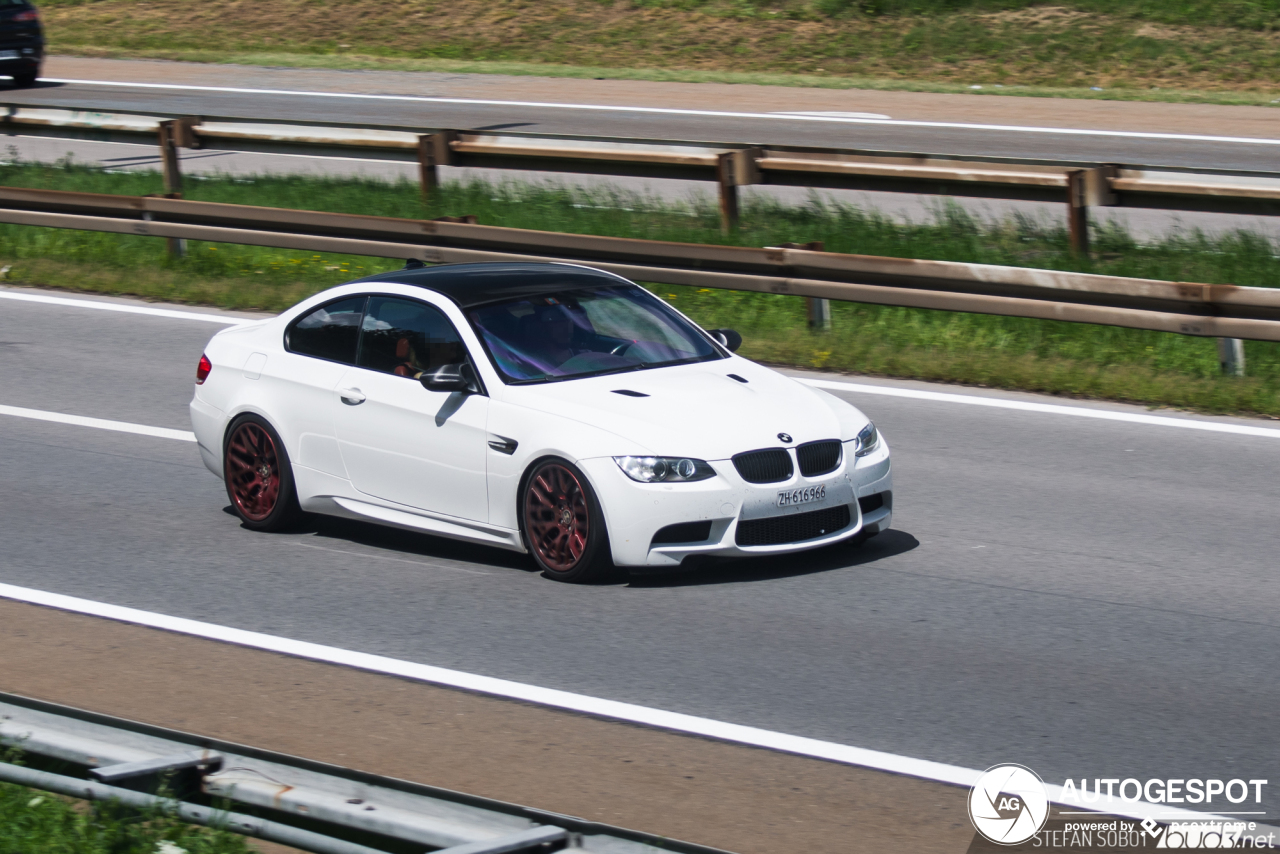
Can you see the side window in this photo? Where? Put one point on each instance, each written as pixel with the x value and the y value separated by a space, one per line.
pixel 407 338
pixel 330 332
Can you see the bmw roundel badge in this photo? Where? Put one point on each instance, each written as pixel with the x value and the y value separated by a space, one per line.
pixel 786 437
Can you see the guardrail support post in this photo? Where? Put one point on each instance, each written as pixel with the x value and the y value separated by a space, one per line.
pixel 1231 356
pixel 433 152
pixel 819 313
pixel 735 169
pixel 818 309
pixel 172 134
pixel 1078 211
pixel 726 177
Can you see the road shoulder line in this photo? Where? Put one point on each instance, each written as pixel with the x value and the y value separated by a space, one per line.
pixel 1046 408
pixel 731 796
pixel 123 307
pixel 554 698
pixel 98 423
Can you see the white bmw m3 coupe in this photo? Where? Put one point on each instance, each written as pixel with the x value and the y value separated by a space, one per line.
pixel 544 408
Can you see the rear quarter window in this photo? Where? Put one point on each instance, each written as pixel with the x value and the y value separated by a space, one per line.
pixel 330 332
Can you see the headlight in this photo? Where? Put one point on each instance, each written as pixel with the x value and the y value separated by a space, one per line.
pixel 868 440
pixel 664 469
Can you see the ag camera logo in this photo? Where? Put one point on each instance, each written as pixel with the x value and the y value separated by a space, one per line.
pixel 1009 804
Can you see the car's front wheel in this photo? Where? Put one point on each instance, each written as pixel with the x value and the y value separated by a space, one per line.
pixel 562 522
pixel 258 475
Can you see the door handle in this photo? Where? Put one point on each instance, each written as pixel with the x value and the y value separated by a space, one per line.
pixel 351 396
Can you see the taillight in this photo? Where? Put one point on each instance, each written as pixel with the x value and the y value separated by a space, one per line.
pixel 203 369
pixel 26 17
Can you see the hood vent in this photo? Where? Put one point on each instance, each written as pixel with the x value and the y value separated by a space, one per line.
pixel 736 377
pixel 626 392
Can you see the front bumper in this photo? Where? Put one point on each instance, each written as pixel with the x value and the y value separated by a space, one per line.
pixel 636 512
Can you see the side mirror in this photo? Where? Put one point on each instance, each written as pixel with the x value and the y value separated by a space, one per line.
pixel 451 378
pixel 728 338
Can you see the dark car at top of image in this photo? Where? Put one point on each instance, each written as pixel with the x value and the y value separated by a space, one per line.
pixel 21 42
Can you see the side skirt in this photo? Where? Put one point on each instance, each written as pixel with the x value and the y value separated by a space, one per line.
pixel 457 529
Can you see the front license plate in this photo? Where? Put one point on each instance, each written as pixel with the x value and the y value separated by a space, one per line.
pixel 8 54
pixel 802 496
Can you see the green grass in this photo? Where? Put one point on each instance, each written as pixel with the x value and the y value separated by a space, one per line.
pixel 1193 50
pixel 1248 14
pixel 1049 356
pixel 35 822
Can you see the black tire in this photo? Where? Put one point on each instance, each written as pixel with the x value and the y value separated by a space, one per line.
pixel 259 476
pixel 562 524
pixel 25 79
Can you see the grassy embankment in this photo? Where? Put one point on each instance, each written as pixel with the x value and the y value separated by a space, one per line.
pixel 35 822
pixel 1049 356
pixel 1182 50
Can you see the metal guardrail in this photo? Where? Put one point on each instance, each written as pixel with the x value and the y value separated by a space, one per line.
pixel 1222 311
pixel 297 802
pixel 1079 184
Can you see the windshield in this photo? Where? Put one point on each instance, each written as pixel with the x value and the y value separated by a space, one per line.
pixel 586 331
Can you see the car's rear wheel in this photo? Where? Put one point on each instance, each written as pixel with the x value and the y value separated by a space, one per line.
pixel 562 523
pixel 258 475
pixel 25 79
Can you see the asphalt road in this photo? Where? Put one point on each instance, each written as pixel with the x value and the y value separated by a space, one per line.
pixel 533 110
pixel 1088 598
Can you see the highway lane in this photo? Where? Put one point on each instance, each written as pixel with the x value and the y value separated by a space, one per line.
pixel 1087 598
pixel 534 114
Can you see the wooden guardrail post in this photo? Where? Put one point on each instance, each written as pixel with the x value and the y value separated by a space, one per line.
pixel 1078 211
pixel 726 178
pixel 169 159
pixel 172 133
pixel 1086 188
pixel 433 152
pixel 733 170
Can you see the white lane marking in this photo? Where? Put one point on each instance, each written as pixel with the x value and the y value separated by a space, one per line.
pixel 671 111
pixel 828 114
pixel 644 715
pixel 1048 408
pixel 127 309
pixel 99 423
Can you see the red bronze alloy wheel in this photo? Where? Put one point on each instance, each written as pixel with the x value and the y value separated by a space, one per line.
pixel 253 471
pixel 557 519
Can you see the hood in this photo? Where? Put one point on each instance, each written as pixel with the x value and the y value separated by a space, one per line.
pixel 695 410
